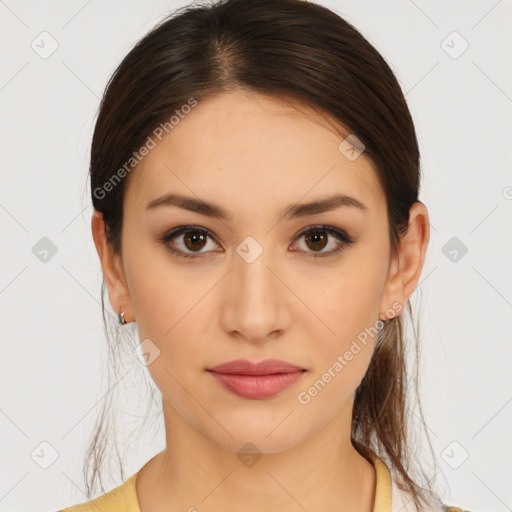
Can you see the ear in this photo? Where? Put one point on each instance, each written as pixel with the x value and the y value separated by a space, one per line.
pixel 404 272
pixel 112 268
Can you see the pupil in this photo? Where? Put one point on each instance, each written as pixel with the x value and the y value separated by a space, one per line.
pixel 195 238
pixel 318 241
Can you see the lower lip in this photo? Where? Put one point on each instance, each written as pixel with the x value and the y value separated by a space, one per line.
pixel 257 386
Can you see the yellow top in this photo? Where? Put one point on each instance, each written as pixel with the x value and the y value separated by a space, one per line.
pixel 124 497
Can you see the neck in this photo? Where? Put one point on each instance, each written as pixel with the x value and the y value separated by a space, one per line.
pixel 325 472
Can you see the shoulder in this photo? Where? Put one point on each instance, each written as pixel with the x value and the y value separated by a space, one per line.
pixel 120 499
pixel 402 501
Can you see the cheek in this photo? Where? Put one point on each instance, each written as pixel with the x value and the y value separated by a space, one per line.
pixel 172 319
pixel 172 309
pixel 174 322
pixel 341 360
pixel 160 294
pixel 348 306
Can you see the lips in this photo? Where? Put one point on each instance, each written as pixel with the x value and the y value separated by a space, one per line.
pixel 256 380
pixel 266 367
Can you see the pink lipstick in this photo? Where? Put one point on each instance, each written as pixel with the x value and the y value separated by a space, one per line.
pixel 256 380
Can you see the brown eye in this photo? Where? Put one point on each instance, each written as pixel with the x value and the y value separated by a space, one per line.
pixel 317 238
pixel 187 240
pixel 194 240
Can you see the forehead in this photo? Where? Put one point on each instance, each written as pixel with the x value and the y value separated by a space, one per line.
pixel 254 146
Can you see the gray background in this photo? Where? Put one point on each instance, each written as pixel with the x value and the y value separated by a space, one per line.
pixel 52 351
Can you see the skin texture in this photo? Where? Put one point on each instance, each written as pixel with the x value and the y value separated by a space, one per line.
pixel 254 155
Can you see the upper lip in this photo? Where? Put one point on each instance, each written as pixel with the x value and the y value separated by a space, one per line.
pixel 246 367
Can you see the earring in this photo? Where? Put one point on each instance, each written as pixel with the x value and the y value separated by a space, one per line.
pixel 122 320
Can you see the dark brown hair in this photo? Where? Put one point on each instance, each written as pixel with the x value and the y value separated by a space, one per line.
pixel 289 49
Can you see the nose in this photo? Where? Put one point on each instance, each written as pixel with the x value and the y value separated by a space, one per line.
pixel 256 302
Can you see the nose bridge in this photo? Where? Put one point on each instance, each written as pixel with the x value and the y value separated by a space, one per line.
pixel 251 267
pixel 254 301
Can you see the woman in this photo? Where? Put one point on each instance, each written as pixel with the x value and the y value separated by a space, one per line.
pixel 255 180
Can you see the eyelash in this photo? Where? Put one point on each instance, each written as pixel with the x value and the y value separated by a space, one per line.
pixel 341 235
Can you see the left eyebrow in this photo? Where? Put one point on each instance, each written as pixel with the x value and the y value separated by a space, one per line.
pixel 293 211
pixel 324 205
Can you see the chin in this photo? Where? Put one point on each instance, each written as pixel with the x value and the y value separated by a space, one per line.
pixel 256 438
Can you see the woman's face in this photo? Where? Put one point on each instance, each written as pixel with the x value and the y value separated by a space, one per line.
pixel 254 284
